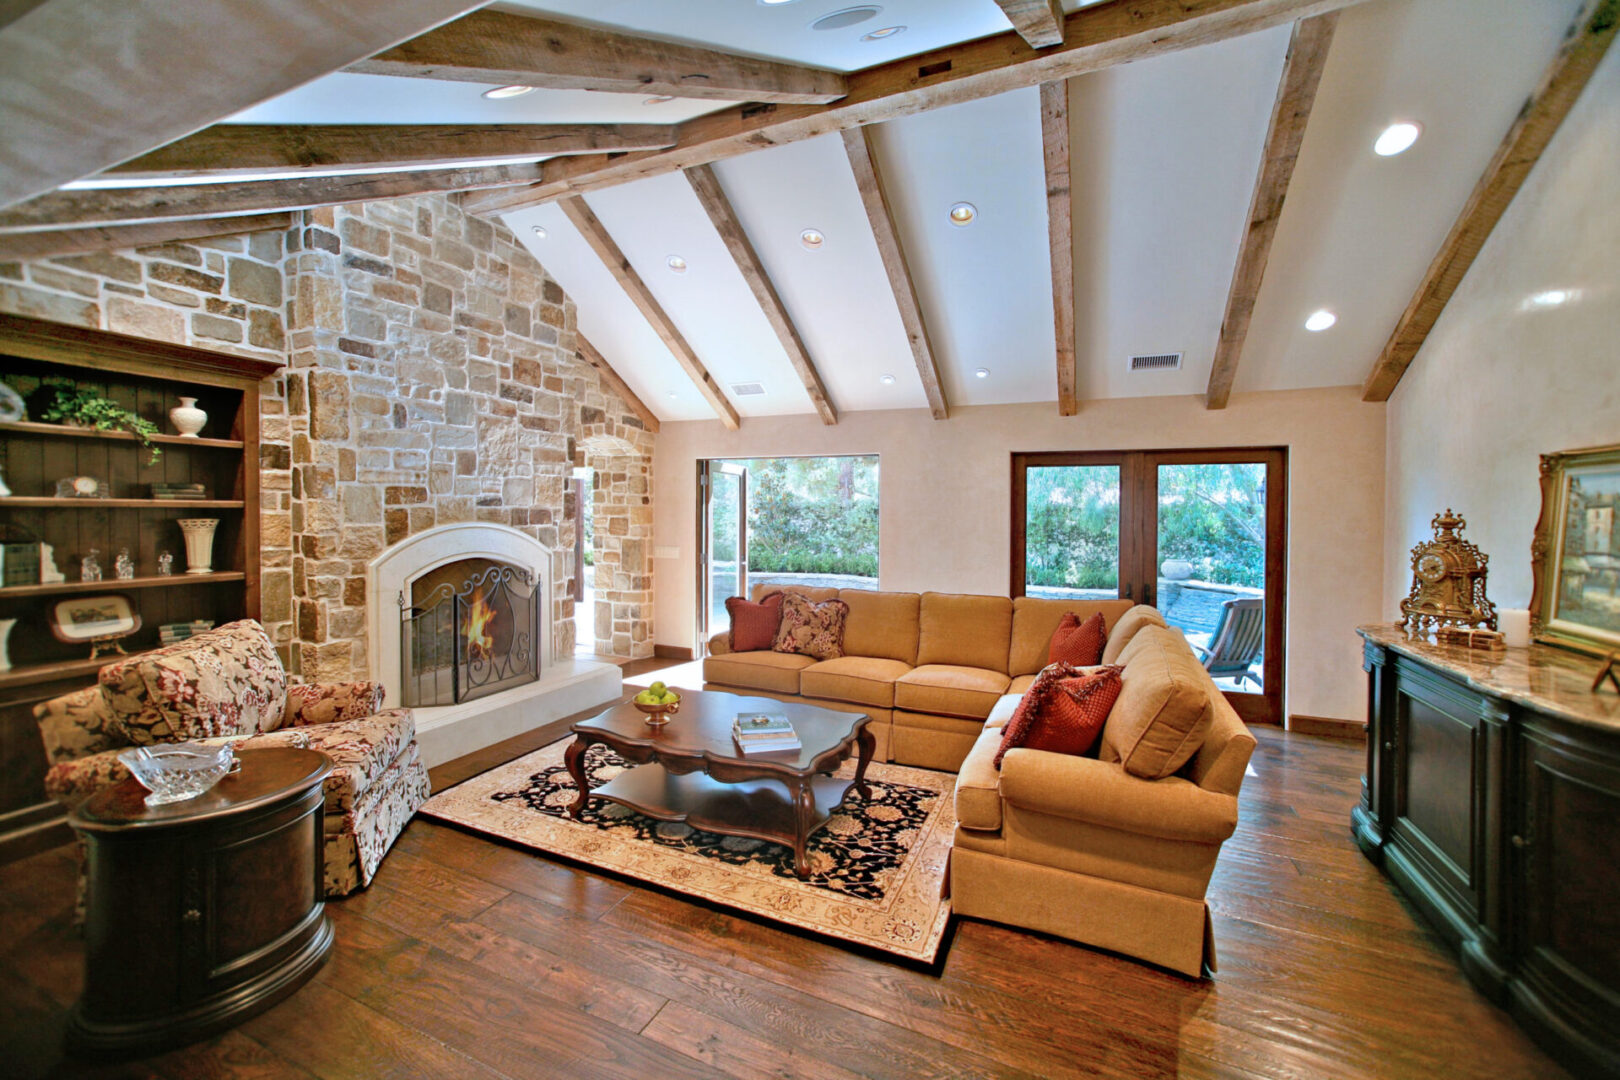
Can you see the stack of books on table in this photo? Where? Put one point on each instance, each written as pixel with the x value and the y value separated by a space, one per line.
pixel 169 633
pixel 179 491
pixel 763 733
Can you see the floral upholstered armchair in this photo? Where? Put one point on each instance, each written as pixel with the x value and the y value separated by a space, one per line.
pixel 228 685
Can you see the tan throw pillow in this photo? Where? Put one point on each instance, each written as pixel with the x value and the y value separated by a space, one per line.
pixel 1164 709
pixel 1129 623
pixel 812 629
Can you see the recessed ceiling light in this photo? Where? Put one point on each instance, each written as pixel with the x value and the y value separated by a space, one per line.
pixel 673 394
pixel 676 264
pixel 981 373
pixel 1320 320
pixel 963 213
pixel 540 232
pixel 508 91
pixel 659 99
pixel 884 32
pixel 1550 298
pixel 886 380
pixel 812 239
pixel 1397 137
pixel 843 17
pixel 774 3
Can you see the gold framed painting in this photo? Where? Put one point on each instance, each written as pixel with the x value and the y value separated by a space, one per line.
pixel 1575 557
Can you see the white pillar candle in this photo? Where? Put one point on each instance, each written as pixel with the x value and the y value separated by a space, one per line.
pixel 1515 626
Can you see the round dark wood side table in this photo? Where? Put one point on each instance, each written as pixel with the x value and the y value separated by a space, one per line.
pixel 204 912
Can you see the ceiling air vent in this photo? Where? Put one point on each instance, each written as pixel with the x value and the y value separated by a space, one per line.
pixel 1156 362
pixel 747 389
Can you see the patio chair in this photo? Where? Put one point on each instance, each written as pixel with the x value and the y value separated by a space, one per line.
pixel 1237 642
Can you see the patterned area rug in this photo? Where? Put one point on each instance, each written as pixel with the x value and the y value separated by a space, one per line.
pixel 877 868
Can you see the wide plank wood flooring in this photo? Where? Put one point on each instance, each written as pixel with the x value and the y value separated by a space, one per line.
pixel 467 958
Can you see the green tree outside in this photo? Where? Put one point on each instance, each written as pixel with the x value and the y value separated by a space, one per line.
pixel 805 516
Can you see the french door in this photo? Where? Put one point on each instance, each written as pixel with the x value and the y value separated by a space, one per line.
pixel 722 541
pixel 1200 534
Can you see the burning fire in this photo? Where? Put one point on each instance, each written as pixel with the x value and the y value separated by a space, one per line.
pixel 480 644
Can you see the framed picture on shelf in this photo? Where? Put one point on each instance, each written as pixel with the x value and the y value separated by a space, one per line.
pixel 1575 556
pixel 89 618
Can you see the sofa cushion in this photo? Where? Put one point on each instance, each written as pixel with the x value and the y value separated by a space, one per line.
pixel 1165 706
pixel 1036 617
pixel 772 671
pixel 811 628
pixel 881 624
pixel 862 680
pixel 950 690
pixel 227 681
pixel 361 751
pixel 1022 683
pixel 765 589
pixel 1003 710
pixel 754 626
pixel 1066 715
pixel 1079 642
pixel 1125 629
pixel 978 785
pixel 964 631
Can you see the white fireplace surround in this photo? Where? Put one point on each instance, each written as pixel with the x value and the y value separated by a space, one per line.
pixel 565 686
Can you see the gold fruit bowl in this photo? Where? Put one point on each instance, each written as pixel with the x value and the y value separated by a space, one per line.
pixel 658 715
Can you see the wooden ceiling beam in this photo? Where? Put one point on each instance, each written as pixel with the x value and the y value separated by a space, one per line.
pixel 45 245
pixel 1296 93
pixel 504 48
pixel 869 179
pixel 85 84
pixel 1038 22
pixel 1095 37
pixel 1060 235
pixel 707 188
pixel 1589 37
pixel 144 205
pixel 591 355
pixel 226 147
pixel 596 235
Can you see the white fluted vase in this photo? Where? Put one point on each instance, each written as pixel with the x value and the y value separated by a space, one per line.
pixel 5 636
pixel 187 418
pixel 199 534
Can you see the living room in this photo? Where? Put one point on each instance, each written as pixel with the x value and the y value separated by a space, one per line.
pixel 408 357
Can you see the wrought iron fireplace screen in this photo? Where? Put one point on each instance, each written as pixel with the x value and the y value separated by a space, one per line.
pixel 471 635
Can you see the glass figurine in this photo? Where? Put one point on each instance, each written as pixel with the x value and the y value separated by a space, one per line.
pixel 165 563
pixel 124 566
pixel 90 566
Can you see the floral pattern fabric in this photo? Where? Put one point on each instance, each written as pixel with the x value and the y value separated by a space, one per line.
pixel 75 725
pixel 330 703
pixel 812 629
pixel 228 681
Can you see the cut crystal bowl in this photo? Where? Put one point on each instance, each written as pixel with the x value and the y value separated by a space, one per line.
pixel 176 771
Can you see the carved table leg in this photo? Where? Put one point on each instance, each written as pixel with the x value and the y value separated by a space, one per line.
pixel 868 745
pixel 574 760
pixel 804 811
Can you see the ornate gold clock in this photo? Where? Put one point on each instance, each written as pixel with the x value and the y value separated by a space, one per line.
pixel 1448 581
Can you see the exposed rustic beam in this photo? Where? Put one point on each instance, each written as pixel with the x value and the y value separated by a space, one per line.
pixel 1296 93
pixel 1039 22
pixel 707 188
pixel 1095 37
pixel 591 355
pixel 224 147
pixel 136 206
pixel 1588 39
pixel 44 245
pixel 596 235
pixel 869 179
pixel 85 84
pixel 1060 234
pixel 504 48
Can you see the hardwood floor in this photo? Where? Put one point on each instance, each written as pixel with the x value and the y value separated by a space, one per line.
pixel 467 958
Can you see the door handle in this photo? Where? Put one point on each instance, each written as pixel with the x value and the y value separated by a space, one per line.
pixel 1127 594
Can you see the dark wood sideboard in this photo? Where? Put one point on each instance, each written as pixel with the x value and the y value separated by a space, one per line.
pixel 1492 799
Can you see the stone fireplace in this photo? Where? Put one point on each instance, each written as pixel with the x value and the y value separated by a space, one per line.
pixel 459 618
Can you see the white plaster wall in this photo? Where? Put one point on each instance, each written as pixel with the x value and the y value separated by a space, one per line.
pixel 946 502
pixel 1500 381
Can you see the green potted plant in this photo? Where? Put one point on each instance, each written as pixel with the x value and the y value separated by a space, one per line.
pixel 79 407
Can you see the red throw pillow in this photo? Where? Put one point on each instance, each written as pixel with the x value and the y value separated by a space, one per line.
pixel 1068 717
pixel 1024 714
pixel 1077 642
pixel 753 626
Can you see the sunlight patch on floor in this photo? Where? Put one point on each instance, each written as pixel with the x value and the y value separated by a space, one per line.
pixel 688 676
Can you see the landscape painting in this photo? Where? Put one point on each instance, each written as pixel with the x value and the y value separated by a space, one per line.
pixel 1578 584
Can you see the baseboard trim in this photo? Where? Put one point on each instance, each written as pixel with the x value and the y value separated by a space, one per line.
pixel 674 652
pixel 1328 727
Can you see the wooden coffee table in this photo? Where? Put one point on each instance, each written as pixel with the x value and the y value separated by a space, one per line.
pixel 691 770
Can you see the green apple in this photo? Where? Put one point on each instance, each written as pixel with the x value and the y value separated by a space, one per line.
pixel 658 687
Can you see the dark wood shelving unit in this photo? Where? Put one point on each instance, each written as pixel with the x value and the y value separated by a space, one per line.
pixel 147 377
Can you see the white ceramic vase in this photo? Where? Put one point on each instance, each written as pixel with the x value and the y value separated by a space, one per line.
pixel 187 418
pixel 5 635
pixel 199 534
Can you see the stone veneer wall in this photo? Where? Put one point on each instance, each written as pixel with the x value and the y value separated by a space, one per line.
pixel 430 380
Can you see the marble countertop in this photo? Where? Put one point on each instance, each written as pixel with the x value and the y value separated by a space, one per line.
pixel 1544 678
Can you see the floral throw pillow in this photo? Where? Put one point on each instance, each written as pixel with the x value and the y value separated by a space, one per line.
pixel 810 628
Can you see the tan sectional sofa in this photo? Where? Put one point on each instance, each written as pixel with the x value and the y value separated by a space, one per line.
pixel 927 667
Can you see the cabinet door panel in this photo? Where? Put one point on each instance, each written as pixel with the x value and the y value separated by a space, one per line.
pixel 1438 796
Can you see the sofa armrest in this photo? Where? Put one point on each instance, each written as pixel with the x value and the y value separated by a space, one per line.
pixel 329 703
pixel 75 725
pixel 720 644
pixel 1085 789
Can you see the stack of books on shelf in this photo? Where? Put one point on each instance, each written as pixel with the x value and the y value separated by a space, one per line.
pixel 179 491
pixel 169 633
pixel 763 733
